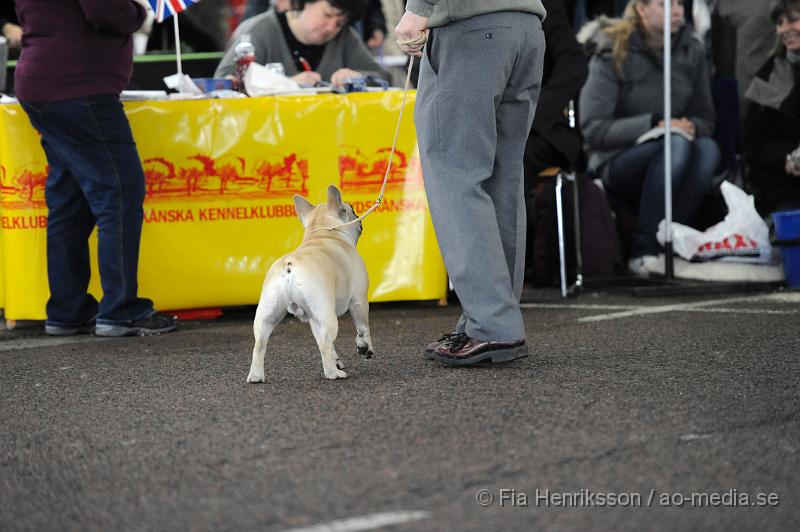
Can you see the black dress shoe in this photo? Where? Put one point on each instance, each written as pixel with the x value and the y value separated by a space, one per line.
pixel 465 351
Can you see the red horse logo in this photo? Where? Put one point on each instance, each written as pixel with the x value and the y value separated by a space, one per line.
pixel 362 173
pixel 206 176
pixel 25 189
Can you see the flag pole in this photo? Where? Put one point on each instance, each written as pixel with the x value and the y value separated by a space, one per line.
pixel 178 52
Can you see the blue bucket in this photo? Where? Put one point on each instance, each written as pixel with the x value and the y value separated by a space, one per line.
pixel 787 231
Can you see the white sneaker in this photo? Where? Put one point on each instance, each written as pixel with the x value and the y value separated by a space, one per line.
pixel 643 266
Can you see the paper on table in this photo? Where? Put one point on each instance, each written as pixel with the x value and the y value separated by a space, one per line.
pixel 260 81
pixel 183 84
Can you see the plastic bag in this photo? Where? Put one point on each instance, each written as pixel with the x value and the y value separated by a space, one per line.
pixel 741 237
pixel 262 81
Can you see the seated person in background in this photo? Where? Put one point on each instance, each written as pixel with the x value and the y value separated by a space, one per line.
pixel 372 26
pixel 202 29
pixel 772 121
pixel 623 99
pixel 751 40
pixel 312 41
pixel 551 141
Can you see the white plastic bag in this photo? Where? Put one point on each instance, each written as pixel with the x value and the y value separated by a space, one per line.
pixel 261 81
pixel 741 237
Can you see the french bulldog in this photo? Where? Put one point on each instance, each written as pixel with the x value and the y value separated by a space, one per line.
pixel 317 282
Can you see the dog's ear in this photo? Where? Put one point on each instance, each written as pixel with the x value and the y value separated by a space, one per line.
pixel 334 198
pixel 302 206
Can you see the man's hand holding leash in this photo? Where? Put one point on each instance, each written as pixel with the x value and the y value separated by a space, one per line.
pixel 412 33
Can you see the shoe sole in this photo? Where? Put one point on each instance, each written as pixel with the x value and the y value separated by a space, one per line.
pixel 67 331
pixel 118 331
pixel 494 356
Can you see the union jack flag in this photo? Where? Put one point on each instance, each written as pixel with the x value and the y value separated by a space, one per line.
pixel 166 8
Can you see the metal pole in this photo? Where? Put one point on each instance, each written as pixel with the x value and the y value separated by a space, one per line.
pixel 576 205
pixel 669 272
pixel 178 52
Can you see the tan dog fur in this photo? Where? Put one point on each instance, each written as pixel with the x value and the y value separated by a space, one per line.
pixel 317 282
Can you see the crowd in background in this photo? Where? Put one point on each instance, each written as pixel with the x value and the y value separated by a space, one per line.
pixel 735 63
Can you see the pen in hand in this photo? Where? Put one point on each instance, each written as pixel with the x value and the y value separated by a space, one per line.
pixel 306 78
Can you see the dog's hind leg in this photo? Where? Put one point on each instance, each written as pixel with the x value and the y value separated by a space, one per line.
pixel 268 315
pixel 325 329
pixel 359 311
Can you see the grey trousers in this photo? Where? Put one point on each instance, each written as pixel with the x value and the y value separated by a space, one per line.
pixel 478 85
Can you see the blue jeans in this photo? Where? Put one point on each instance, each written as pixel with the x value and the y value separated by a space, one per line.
pixel 636 176
pixel 95 177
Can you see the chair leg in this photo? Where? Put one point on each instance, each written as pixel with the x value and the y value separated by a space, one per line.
pixel 562 262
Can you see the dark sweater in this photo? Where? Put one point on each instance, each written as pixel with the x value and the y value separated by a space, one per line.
pixel 771 131
pixel 74 48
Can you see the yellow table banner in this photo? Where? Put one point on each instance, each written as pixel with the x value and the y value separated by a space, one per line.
pixel 220 177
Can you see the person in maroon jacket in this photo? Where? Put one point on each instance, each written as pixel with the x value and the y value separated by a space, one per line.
pixel 76 59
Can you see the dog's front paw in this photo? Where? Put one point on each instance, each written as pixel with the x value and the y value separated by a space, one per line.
pixel 255 376
pixel 335 374
pixel 365 350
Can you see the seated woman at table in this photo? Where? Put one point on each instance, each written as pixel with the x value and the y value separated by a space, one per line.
pixel 772 121
pixel 623 99
pixel 312 41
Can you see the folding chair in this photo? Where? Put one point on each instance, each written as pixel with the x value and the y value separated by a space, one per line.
pixel 560 177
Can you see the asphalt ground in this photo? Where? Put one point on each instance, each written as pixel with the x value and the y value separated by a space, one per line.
pixel 677 413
